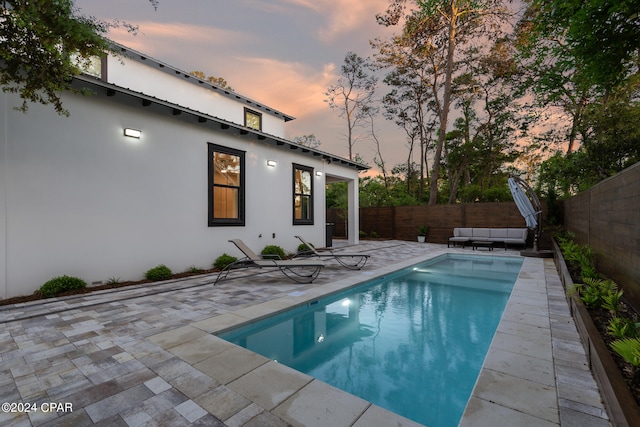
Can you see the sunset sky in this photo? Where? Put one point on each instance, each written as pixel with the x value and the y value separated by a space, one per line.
pixel 283 53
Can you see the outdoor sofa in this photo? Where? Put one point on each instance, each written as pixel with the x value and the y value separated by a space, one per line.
pixel 505 236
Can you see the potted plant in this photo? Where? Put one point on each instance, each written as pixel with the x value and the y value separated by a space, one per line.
pixel 422 233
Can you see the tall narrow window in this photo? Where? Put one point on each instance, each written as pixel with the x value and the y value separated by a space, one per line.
pixel 226 186
pixel 252 119
pixel 302 195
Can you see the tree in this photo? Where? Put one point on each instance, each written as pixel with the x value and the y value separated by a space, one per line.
pixel 584 55
pixel 216 81
pixel 44 44
pixel 413 76
pixel 550 70
pixel 444 26
pixel 602 35
pixel 352 95
pixel 612 143
pixel 307 140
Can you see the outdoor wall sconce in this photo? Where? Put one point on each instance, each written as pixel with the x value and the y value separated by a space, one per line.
pixel 132 133
pixel 271 163
pixel 318 173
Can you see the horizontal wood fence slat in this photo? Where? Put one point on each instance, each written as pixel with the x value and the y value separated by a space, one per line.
pixel 402 222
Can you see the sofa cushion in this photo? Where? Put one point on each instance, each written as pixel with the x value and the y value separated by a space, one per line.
pixel 517 233
pixel 499 233
pixel 520 241
pixel 462 232
pixel 481 232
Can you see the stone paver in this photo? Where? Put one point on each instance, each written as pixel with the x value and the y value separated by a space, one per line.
pixel 145 355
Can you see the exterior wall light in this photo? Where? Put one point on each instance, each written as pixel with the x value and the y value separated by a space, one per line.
pixel 272 163
pixel 318 173
pixel 132 133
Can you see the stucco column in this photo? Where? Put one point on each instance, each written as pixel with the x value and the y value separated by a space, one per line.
pixel 353 217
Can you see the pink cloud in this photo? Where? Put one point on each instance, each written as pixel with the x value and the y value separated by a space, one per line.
pixel 343 16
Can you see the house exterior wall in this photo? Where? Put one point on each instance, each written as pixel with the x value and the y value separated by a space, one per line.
pixel 147 79
pixel 79 198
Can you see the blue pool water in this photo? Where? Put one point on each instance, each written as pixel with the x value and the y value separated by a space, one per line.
pixel 412 342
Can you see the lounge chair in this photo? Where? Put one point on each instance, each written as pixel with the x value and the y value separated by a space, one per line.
pixel 352 261
pixel 296 270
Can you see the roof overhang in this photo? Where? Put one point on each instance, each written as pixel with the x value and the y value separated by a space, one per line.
pixel 173 71
pixel 178 112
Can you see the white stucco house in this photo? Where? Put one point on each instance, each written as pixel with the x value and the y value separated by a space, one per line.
pixel 156 167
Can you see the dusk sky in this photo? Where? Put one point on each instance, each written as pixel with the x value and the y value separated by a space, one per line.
pixel 283 53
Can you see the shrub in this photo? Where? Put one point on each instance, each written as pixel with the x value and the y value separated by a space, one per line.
pixel 224 260
pixel 160 272
pixel 271 250
pixel 629 349
pixel 362 233
pixel 621 327
pixel 61 284
pixel 194 269
pixel 302 248
pixel 600 292
pixel 579 257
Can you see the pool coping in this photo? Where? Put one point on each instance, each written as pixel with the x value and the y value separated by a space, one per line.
pixel 517 383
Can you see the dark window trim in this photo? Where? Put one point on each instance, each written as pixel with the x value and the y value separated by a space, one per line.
pixel 309 221
pixel 255 113
pixel 103 68
pixel 221 222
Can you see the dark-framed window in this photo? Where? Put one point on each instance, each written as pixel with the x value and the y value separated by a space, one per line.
pixel 95 66
pixel 252 119
pixel 226 186
pixel 302 195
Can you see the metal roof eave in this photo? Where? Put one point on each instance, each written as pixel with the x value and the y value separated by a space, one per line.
pixel 146 101
pixel 169 69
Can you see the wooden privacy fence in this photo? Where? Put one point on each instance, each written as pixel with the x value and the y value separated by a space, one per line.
pixel 402 222
pixel 607 218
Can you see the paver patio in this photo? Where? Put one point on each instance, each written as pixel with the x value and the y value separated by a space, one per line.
pixel 146 356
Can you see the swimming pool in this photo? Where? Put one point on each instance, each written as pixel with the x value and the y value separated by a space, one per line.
pixel 412 342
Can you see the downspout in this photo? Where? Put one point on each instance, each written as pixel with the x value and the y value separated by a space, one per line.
pixel 4 181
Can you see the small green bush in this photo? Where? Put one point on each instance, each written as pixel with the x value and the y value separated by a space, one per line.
pixel 194 269
pixel 271 250
pixel 160 272
pixel 362 233
pixel 629 349
pixel 61 284
pixel 304 248
pixel 621 327
pixel 224 260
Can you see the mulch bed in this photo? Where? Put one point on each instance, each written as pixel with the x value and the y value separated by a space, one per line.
pixel 36 295
pixel 630 374
pixel 601 319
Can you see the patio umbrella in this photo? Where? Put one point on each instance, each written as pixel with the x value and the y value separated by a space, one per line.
pixel 523 203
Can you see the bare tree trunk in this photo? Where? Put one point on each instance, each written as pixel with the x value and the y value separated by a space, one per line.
pixel 446 101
